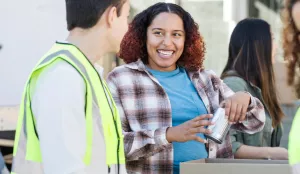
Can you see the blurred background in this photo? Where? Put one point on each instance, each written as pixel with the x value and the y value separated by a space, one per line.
pixel 29 28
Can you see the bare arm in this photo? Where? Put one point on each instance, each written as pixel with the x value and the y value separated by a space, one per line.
pixel 252 152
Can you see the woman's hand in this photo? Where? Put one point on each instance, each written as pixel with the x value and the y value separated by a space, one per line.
pixel 189 130
pixel 236 107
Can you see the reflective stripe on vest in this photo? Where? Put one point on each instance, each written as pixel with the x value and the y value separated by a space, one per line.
pixel 27 148
pixel 294 140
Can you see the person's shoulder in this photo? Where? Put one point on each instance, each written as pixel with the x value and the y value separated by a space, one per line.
pixel 120 69
pixel 236 83
pixel 235 80
pixel 60 73
pixel 60 67
pixel 130 67
pixel 124 71
pixel 233 76
pixel 60 84
pixel 207 74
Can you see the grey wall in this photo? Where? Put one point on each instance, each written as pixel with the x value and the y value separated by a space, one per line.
pixel 28 29
pixel 209 16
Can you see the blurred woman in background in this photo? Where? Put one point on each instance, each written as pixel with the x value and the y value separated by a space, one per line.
pixel 250 68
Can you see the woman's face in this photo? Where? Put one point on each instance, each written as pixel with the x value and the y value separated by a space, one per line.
pixel 296 14
pixel 165 41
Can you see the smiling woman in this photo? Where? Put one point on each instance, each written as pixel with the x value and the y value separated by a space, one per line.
pixel 165 97
pixel 165 41
pixel 172 30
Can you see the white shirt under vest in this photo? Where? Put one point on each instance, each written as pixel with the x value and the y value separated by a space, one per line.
pixel 58 104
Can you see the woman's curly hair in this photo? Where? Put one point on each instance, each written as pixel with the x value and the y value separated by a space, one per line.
pixel 291 45
pixel 133 46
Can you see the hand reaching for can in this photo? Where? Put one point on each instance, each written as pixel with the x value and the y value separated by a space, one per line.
pixel 236 106
pixel 189 130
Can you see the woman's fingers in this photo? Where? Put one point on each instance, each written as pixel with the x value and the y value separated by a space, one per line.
pixel 202 117
pixel 238 114
pixel 227 107
pixel 244 113
pixel 201 123
pixel 233 109
pixel 199 130
pixel 199 139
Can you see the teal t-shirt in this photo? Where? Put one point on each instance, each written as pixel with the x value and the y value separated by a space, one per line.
pixel 186 104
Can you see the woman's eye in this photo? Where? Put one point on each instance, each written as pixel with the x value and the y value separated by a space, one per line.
pixel 177 34
pixel 158 33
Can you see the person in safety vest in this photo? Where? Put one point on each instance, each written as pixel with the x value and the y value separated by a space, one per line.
pixel 294 144
pixel 68 122
pixel 291 45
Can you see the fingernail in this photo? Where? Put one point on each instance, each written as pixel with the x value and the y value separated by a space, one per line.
pixel 240 122
pixel 205 141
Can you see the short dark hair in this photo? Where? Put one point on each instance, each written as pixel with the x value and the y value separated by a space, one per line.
pixel 86 13
pixel 134 47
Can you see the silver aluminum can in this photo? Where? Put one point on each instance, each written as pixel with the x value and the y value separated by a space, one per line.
pixel 220 128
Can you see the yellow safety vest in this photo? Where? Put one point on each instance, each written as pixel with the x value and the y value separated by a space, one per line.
pixel 294 140
pixel 27 146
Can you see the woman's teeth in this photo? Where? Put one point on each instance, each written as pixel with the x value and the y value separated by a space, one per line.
pixel 167 53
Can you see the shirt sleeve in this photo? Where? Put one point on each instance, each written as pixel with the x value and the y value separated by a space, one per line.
pixel 138 144
pixel 255 116
pixel 58 107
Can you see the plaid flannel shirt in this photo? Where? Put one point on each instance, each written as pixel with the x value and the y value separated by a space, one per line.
pixel 145 112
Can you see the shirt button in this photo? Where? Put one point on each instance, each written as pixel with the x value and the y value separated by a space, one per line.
pixel 211 149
